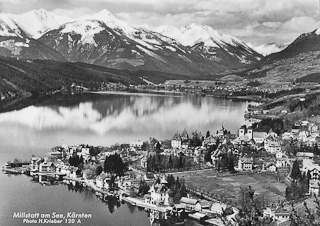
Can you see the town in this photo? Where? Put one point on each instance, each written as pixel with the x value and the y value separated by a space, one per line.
pixel 261 173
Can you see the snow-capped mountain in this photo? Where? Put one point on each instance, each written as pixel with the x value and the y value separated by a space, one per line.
pixel 211 40
pixel 269 48
pixel 36 22
pixel 103 39
pixel 15 42
pixel 196 33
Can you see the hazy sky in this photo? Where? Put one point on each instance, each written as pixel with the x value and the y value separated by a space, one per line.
pixel 255 21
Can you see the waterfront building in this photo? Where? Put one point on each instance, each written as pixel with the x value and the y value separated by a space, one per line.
pixel 158 194
pixel 191 204
pixel 34 163
pixel 102 181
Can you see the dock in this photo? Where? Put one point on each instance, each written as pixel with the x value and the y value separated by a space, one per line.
pixel 141 203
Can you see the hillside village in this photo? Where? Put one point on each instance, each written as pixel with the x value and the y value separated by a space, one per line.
pixel 145 172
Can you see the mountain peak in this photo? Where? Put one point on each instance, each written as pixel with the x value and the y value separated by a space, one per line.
pixel 104 12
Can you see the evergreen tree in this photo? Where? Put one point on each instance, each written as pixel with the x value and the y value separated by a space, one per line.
pixel 208 134
pixel 295 172
pixel 99 170
pixel 170 165
pixel 230 164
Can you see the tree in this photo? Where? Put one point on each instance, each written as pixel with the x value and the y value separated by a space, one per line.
pixel 112 182
pixel 114 164
pixel 208 134
pixel 295 172
pixel 196 139
pixel 230 164
pixel 309 218
pixel 99 170
pixel 143 187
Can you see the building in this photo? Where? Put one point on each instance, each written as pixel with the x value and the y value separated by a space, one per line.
pixel 136 144
pixel 259 137
pixel 45 166
pixel 271 167
pixel 304 155
pixel 272 147
pixel 314 187
pixel 218 207
pixel 180 141
pixel 34 163
pixel 245 164
pixel 190 204
pixel 102 181
pixel 143 162
pixel 176 141
pixel 158 194
pixel 282 214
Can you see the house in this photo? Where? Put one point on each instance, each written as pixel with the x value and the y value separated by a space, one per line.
pixel 209 141
pixel 281 163
pixel 45 166
pixel 245 164
pixel 124 184
pixel 61 168
pixel 279 155
pixel 271 167
pixel 287 136
pixel 303 136
pixel 191 204
pixel 102 181
pixel 180 141
pixel 136 145
pixel 314 187
pixel 282 214
pixel 34 163
pixel 218 207
pixel 72 172
pixel 85 150
pixel 304 155
pixel 158 194
pixel 272 147
pixel 268 213
pixel 259 137
pixel 143 162
pixel 312 127
pixel 176 141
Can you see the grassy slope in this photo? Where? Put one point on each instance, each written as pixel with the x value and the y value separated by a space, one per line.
pixel 39 76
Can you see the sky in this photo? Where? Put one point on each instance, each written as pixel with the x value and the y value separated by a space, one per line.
pixel 254 21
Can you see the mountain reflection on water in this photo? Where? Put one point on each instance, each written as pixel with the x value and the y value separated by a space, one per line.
pixel 106 119
pixel 96 119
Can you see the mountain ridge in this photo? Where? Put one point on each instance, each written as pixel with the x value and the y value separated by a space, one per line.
pixel 130 47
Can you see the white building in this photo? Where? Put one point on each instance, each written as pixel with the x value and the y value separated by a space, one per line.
pixel 272 147
pixel 136 144
pixel 245 164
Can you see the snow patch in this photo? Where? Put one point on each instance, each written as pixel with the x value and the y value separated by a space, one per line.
pixel 87 30
pixel 151 53
pixel 270 48
pixel 318 31
pixel 171 48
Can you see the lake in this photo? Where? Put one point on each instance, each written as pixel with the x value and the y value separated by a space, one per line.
pixel 97 119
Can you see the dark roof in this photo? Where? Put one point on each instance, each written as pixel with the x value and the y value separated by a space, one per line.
pixel 184 134
pixel 176 136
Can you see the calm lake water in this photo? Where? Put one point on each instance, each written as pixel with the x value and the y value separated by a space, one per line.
pixel 97 119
